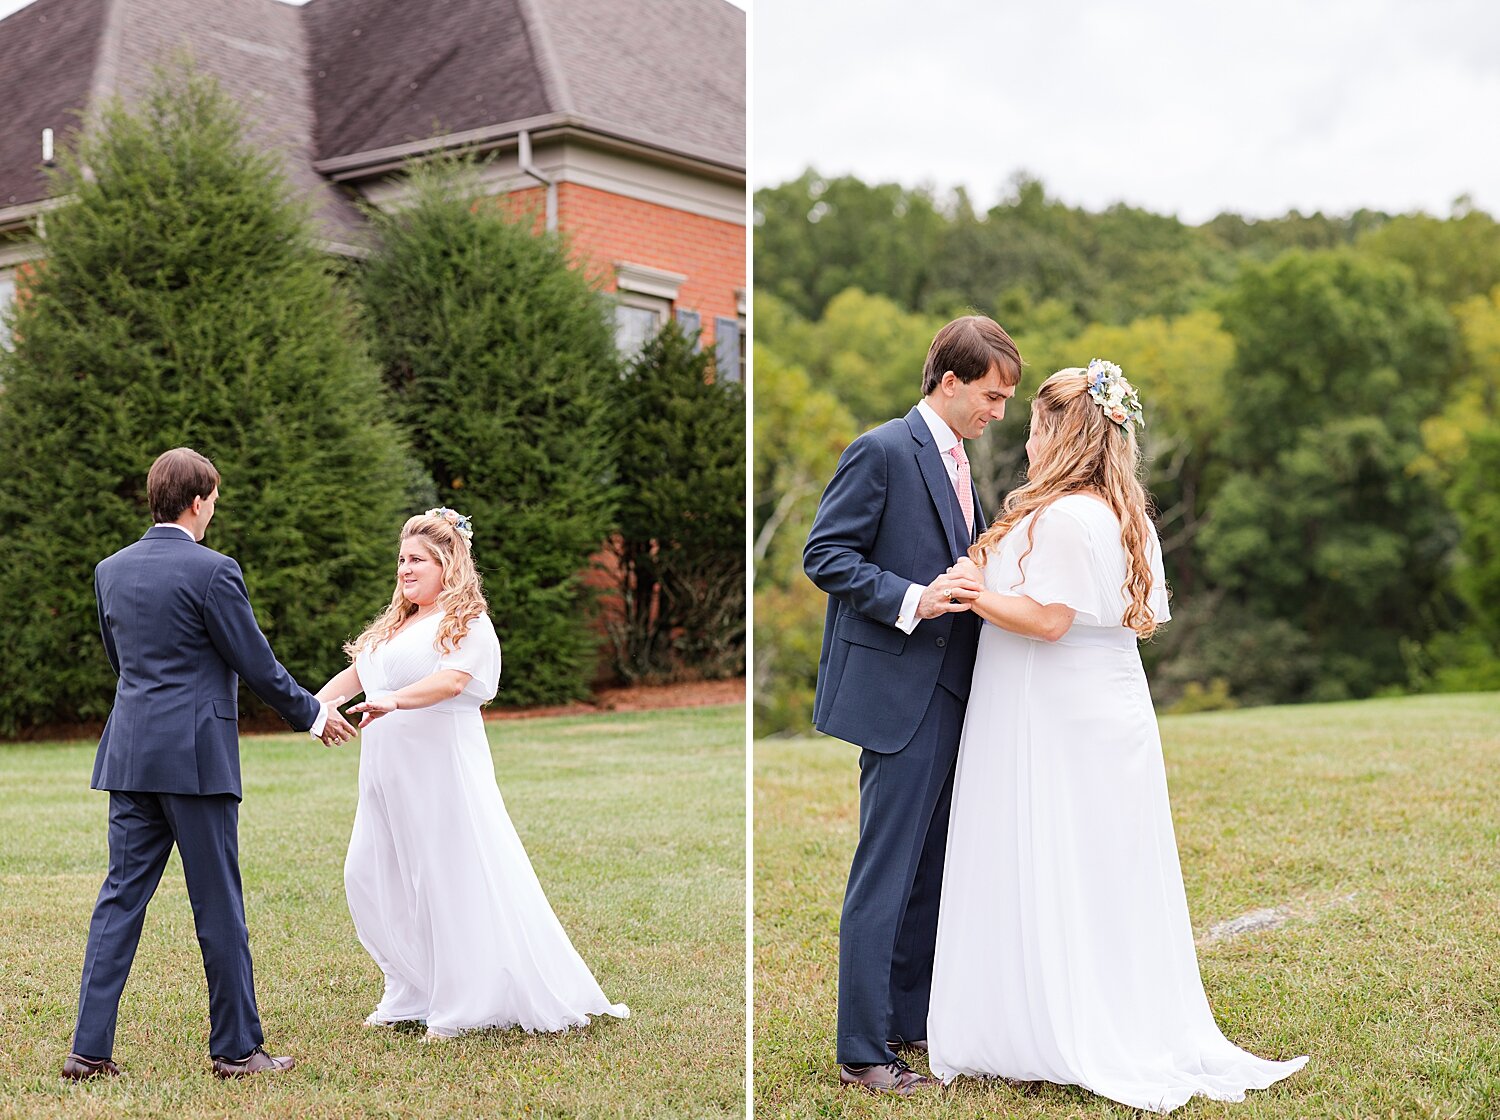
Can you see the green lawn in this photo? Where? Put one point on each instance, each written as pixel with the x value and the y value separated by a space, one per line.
pixel 635 823
pixel 1375 825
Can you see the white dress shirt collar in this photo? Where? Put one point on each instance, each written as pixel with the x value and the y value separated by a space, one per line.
pixel 173 525
pixel 943 435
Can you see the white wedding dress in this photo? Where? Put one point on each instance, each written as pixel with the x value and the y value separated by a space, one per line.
pixel 439 886
pixel 1064 950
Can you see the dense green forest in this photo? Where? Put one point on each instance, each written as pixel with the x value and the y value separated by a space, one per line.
pixel 1321 399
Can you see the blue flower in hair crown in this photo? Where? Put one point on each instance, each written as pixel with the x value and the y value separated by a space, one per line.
pixel 1112 393
pixel 459 522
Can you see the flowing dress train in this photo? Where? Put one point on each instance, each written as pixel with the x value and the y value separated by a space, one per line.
pixel 442 893
pixel 1064 949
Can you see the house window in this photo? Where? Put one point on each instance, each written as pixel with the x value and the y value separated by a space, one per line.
pixel 729 352
pixel 643 303
pixel 636 323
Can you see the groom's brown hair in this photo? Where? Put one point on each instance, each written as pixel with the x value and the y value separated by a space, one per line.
pixel 175 479
pixel 969 346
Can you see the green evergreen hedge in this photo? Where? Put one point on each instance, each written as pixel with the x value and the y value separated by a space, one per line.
pixel 183 301
pixel 681 538
pixel 500 360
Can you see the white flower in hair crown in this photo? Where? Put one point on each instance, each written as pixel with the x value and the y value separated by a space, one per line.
pixel 457 520
pixel 1116 396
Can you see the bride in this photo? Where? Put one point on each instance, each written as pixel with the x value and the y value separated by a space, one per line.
pixel 1064 951
pixel 439 886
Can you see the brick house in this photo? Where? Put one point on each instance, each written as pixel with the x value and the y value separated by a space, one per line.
pixel 620 123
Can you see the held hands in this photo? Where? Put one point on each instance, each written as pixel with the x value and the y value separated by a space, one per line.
pixel 374 709
pixel 953 591
pixel 965 568
pixel 336 729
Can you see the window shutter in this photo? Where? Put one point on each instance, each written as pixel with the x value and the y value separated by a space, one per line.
pixel 727 348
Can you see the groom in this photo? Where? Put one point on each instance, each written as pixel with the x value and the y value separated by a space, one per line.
pixel 893 677
pixel 179 632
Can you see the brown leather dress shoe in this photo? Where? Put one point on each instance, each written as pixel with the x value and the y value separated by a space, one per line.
pixel 893 1077
pixel 917 1044
pixel 84 1069
pixel 258 1062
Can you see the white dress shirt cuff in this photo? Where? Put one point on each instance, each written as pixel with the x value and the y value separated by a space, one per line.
pixel 906 621
pixel 316 730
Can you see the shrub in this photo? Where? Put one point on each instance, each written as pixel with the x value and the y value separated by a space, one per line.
pixel 680 544
pixel 500 361
pixel 183 301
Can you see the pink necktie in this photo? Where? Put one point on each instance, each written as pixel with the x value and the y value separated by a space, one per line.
pixel 964 488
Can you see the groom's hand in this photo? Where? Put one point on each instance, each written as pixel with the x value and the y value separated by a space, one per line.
pixel 337 730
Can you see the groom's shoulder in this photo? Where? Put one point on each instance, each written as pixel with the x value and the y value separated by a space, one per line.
pixel 896 430
pixel 890 436
pixel 195 559
pixel 215 562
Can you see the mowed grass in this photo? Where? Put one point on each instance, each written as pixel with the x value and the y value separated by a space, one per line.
pixel 634 823
pixel 1376 825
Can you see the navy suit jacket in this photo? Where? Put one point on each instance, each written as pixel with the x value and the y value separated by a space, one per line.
pixel 179 631
pixel 889 518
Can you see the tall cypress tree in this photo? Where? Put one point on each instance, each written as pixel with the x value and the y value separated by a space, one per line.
pixel 500 359
pixel 681 540
pixel 182 301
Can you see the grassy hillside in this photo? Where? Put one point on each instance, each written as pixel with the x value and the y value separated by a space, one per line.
pixel 1373 829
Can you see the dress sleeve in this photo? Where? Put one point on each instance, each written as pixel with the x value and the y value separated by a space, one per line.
pixel 1062 568
pixel 478 654
pixel 1157 599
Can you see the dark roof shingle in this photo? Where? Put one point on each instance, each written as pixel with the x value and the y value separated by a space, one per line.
pixel 389 72
pixel 665 72
pixel 672 71
pixel 47 56
pixel 338 78
pixel 59 57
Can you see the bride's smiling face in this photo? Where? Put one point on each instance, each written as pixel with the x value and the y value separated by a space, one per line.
pixel 418 572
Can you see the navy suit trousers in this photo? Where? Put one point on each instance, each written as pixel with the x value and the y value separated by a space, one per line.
pixel 142 829
pixel 889 926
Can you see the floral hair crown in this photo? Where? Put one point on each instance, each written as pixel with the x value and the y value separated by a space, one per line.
pixel 459 522
pixel 1116 396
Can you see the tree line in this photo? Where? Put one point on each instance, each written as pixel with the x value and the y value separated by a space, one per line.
pixel 1322 396
pixel 183 300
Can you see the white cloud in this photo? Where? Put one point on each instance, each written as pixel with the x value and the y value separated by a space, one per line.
pixel 1179 106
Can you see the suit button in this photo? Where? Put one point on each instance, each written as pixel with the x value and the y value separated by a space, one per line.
pixel 942 642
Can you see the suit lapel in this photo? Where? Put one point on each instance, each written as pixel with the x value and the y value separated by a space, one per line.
pixel 930 462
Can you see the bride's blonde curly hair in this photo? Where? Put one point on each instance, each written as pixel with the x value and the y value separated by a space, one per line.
pixel 462 597
pixel 1083 451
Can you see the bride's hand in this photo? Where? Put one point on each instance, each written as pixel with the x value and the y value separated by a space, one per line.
pixel 964 568
pixel 374 709
pixel 954 590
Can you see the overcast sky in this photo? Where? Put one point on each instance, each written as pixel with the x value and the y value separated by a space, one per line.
pixel 8 6
pixel 1180 106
